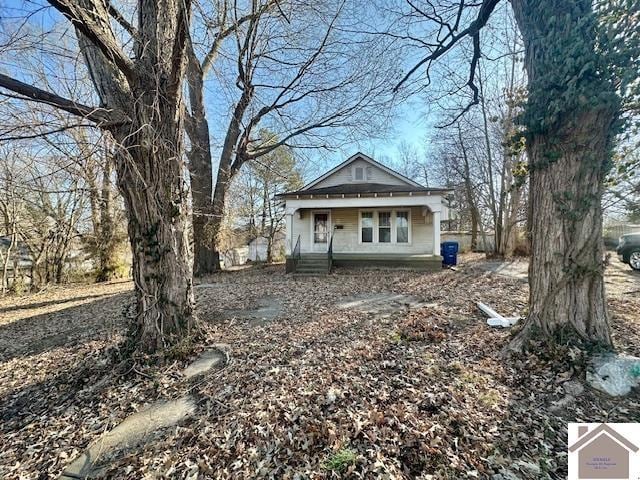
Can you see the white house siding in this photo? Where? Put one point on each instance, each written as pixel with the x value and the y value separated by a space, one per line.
pixel 346 240
pixel 344 175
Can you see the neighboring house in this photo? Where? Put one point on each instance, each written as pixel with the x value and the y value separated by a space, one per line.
pixel 258 247
pixel 363 213
pixel 602 453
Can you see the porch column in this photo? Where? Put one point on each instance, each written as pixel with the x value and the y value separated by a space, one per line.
pixel 288 248
pixel 436 232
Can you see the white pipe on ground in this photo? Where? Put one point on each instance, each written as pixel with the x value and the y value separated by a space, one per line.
pixel 495 319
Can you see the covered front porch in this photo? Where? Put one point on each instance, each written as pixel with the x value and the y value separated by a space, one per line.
pixel 376 231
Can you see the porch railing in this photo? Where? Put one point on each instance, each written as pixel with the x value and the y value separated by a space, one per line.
pixel 330 252
pixel 295 255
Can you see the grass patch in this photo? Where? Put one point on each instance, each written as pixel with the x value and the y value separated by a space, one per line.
pixel 490 398
pixel 341 460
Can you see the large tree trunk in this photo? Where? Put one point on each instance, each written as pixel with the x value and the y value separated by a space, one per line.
pixel 205 259
pixel 150 166
pixel 158 222
pixel 569 138
pixel 223 180
pixel 469 196
pixel 230 162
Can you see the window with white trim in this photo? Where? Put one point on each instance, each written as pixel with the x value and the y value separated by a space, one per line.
pixel 366 227
pixel 384 227
pixel 402 226
pixel 359 173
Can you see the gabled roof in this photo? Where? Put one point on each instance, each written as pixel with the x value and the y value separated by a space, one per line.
pixel 601 429
pixel 368 159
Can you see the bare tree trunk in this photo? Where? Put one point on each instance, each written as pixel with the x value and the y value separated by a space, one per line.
pixel 3 289
pixel 270 248
pixel 7 260
pixel 511 208
pixel 150 163
pixel 205 259
pixel 496 211
pixel 471 201
pixel 510 188
pixel 569 158
pixel 208 210
pixel 158 224
pixel 107 241
pixel 230 163
pixel 150 167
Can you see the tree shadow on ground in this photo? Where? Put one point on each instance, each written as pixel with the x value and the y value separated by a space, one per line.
pixel 28 306
pixel 69 326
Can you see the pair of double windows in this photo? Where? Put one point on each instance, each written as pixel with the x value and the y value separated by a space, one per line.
pixel 386 223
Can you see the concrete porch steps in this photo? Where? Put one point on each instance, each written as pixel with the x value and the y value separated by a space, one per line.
pixel 312 264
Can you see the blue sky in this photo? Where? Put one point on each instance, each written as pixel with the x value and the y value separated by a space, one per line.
pixel 409 123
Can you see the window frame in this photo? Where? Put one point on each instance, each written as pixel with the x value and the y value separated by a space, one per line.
pixel 394 231
pixel 361 223
pixel 389 227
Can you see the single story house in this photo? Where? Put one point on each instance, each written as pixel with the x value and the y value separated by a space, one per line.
pixel 363 213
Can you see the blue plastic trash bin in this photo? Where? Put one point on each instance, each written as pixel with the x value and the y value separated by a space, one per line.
pixel 449 253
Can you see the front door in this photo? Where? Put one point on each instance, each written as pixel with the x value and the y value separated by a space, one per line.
pixel 321 231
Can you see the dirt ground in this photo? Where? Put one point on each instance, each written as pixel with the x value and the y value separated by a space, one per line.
pixel 319 384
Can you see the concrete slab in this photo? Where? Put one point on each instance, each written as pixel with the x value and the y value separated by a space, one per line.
pixel 133 431
pixel 267 309
pixel 518 269
pixel 206 361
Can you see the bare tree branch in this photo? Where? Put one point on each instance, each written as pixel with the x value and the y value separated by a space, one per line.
pixel 451 39
pixel 95 27
pixel 124 23
pixel 95 114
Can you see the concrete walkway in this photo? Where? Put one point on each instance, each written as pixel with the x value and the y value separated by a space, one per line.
pixel 380 304
pixel 142 426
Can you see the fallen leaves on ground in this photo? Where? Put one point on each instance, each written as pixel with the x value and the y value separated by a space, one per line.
pixel 316 392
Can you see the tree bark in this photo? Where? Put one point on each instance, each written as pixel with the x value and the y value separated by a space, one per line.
pixel 493 202
pixel 470 198
pixel 150 165
pixel 107 238
pixel 568 152
pixel 209 210
pixel 158 225
pixel 231 159
pixel 206 259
